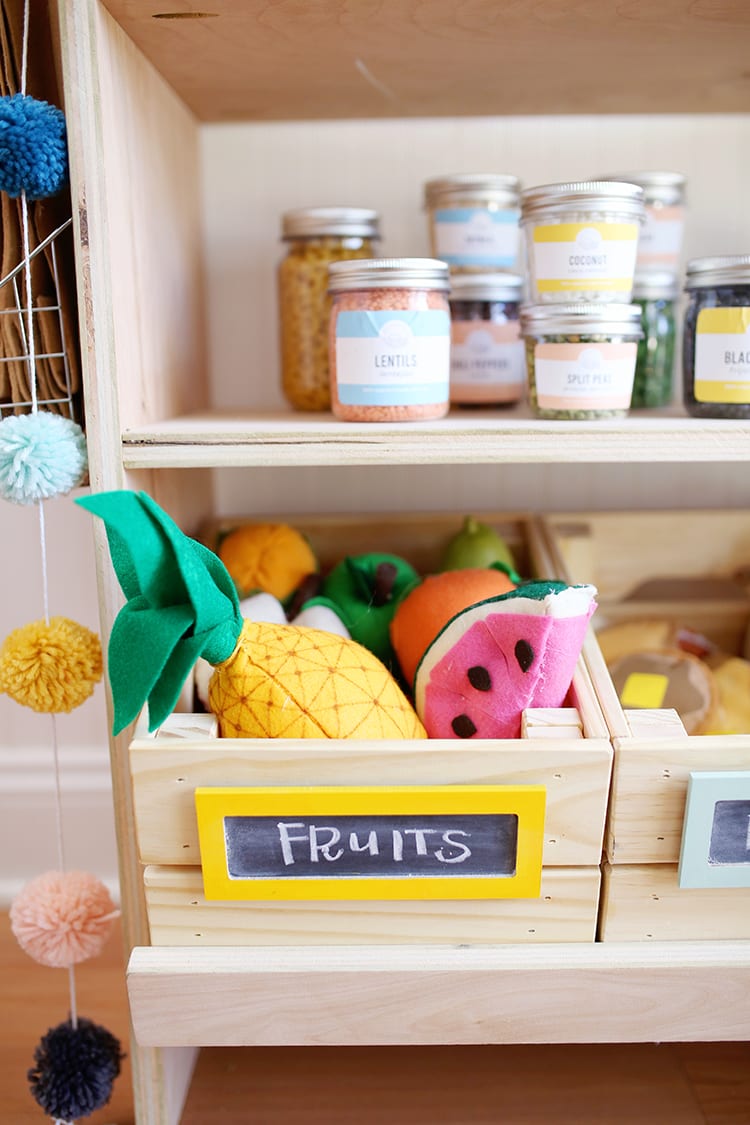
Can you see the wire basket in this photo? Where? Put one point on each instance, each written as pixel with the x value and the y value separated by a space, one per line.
pixel 55 365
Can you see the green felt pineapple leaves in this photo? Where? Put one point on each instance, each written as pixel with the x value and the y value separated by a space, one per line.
pixel 181 604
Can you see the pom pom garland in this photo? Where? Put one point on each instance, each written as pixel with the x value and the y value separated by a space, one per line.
pixel 41 455
pixel 75 1069
pixel 61 918
pixel 50 666
pixel 33 150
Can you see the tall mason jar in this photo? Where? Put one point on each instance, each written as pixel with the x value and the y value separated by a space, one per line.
pixel 314 237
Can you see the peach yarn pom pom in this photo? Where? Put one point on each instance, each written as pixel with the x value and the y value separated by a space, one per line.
pixel 50 665
pixel 61 918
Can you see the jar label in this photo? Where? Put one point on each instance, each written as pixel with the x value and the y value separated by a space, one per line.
pixel 488 361
pixel 474 236
pixel 393 357
pixel 585 257
pixel 722 356
pixel 660 240
pixel 584 376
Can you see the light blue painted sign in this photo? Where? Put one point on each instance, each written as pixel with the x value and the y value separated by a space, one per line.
pixel 716 831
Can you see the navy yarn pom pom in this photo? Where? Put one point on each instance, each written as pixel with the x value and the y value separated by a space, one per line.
pixel 75 1069
pixel 33 150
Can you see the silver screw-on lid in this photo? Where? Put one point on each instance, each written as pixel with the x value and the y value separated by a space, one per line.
pixel 486 287
pixel 599 195
pixel 601 319
pixel 311 222
pixel 656 286
pixel 485 187
pixel 708 273
pixel 388 273
pixel 658 187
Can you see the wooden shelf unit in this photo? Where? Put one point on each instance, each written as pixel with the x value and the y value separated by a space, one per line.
pixel 138 84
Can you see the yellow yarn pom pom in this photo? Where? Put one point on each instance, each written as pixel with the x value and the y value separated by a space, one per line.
pixel 50 666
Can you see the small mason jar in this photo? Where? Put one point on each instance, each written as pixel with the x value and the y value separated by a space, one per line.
pixel 474 221
pixel 315 237
pixel 656 293
pixel 582 240
pixel 488 362
pixel 580 359
pixel 716 337
pixel 389 339
pixel 660 241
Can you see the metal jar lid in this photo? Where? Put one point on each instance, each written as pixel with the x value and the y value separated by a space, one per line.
pixel 600 320
pixel 658 187
pixel 657 286
pixel 388 273
pixel 486 287
pixel 488 187
pixel 312 222
pixel 593 195
pixel 708 273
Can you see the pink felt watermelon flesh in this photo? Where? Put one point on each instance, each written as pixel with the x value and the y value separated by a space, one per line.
pixel 500 656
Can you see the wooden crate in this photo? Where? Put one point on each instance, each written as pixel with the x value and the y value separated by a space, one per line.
pixel 567 750
pixel 654 564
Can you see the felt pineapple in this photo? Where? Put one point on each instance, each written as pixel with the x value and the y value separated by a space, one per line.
pixel 272 681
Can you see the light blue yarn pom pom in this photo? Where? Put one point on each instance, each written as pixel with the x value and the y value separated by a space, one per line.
pixel 33 148
pixel 41 455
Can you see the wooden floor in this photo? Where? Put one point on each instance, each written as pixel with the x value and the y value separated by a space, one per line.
pixel 642 1084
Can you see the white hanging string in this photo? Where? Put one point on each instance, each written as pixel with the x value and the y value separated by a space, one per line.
pixel 30 343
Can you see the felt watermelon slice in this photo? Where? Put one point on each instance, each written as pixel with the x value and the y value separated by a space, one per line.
pixel 500 656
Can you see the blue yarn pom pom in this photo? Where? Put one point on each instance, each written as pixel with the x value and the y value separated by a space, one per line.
pixel 41 455
pixel 33 150
pixel 75 1069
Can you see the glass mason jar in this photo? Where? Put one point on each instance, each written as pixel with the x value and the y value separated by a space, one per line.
pixel 716 338
pixel 474 221
pixel 656 293
pixel 660 242
pixel 315 237
pixel 389 340
pixel 488 363
pixel 581 240
pixel 580 359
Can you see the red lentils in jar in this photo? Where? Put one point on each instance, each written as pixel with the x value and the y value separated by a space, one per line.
pixel 389 339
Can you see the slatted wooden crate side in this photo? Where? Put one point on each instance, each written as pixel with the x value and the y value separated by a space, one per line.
pixel 643 902
pixel 565 911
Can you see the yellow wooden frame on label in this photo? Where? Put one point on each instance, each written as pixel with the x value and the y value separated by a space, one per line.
pixel 527 802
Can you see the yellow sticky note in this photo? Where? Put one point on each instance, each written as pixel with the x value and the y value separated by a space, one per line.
pixel 644 689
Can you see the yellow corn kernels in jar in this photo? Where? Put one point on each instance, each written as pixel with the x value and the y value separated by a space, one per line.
pixel 315 237
pixel 390 339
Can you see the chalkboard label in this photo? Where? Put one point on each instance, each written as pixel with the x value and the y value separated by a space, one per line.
pixel 716 832
pixel 437 842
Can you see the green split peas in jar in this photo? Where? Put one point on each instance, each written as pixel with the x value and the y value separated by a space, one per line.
pixel 580 359
pixel 315 237
pixel 656 293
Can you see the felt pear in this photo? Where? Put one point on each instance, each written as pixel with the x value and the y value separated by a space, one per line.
pixel 271 680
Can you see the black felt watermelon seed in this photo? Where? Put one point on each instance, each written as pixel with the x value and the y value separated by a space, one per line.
pixel 524 655
pixel 463 726
pixel 479 678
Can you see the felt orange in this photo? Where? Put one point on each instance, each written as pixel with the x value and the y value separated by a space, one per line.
pixel 430 606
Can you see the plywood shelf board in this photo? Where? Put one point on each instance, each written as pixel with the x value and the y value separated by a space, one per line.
pixel 243 439
pixel 232 996
pixel 255 61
